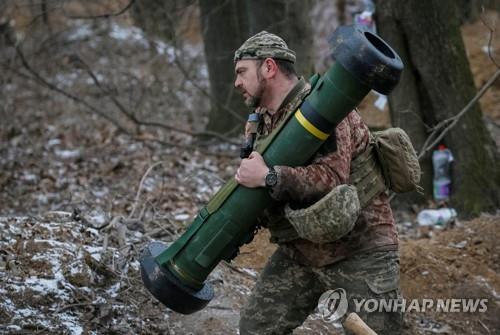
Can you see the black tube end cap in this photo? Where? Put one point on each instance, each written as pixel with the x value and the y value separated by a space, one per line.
pixel 367 57
pixel 167 288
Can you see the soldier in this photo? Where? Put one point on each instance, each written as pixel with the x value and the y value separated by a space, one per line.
pixel 361 257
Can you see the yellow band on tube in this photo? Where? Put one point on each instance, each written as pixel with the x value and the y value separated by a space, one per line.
pixel 310 127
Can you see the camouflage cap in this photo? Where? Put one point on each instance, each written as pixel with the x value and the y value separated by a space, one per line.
pixel 329 219
pixel 263 45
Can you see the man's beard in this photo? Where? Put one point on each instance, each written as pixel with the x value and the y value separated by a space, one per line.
pixel 253 101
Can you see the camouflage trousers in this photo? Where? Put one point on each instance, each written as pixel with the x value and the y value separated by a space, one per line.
pixel 287 292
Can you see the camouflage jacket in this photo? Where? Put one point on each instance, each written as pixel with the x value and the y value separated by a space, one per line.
pixel 302 186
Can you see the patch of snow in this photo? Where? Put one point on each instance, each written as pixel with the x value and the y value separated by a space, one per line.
pixel 486 49
pixel 66 154
pixel 65 79
pixel 7 303
pixel 26 176
pixel 182 217
pixel 130 34
pixel 95 252
pixel 203 71
pixel 100 193
pixel 25 312
pixel 113 290
pixel 42 285
pixel 14 327
pixel 53 141
pixel 41 198
pixel 99 300
pixel 97 218
pixel 164 49
pixel 150 183
pixel 99 77
pixel 71 323
pixel 135 265
pixel 93 231
pixel 80 32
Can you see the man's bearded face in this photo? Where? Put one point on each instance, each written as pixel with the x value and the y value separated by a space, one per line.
pixel 249 81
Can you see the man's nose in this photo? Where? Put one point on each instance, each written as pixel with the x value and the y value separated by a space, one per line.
pixel 237 83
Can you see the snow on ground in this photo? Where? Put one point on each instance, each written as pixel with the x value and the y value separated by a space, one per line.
pixel 49 264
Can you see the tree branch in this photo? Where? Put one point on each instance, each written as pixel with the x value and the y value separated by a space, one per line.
pixel 103 16
pixel 453 120
pixel 39 79
pixel 449 123
pixel 204 92
pixel 132 117
pixel 490 40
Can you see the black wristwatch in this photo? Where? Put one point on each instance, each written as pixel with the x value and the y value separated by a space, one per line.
pixel 271 178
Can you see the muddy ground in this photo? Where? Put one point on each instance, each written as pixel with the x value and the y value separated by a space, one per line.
pixel 80 199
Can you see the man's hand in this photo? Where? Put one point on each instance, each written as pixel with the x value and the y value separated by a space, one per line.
pixel 252 171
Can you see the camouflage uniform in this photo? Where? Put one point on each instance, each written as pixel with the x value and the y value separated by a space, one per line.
pixel 365 262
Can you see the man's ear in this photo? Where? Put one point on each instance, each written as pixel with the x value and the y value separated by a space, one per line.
pixel 270 68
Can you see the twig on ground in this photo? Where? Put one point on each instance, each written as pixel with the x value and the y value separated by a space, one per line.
pixel 141 185
pixel 236 269
pixel 187 147
pixel 79 304
pixel 484 326
pixel 222 308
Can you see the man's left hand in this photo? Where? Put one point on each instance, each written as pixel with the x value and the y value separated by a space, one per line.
pixel 252 171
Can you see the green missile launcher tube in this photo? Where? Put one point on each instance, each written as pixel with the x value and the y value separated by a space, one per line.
pixel 176 275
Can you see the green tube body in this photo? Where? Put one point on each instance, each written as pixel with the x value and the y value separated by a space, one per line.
pixel 218 231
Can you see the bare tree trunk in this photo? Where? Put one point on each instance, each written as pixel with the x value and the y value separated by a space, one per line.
pixel 226 24
pixel 436 85
pixel 340 4
pixel 290 20
pixel 224 29
pixel 45 15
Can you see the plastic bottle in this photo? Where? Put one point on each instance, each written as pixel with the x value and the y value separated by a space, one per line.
pixel 441 160
pixel 436 217
pixel 366 16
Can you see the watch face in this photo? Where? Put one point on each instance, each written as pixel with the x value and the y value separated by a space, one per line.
pixel 271 179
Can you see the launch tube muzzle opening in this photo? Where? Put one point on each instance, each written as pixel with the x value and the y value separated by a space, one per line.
pixel 177 275
pixel 367 57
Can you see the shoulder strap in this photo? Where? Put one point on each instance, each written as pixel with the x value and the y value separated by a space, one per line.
pixel 231 185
